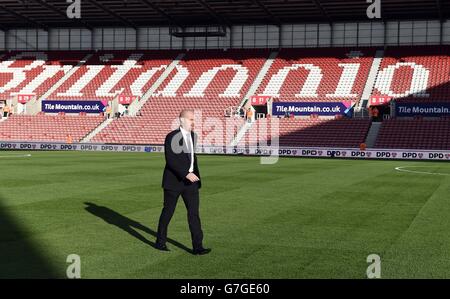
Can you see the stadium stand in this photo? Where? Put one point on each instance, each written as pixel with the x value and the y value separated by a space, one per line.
pixel 308 133
pixel 210 81
pixel 40 71
pixel 108 74
pixel 318 74
pixel 414 134
pixel 214 80
pixel 48 127
pixel 415 74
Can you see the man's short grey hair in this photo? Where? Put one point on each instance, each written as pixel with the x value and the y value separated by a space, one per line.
pixel 186 111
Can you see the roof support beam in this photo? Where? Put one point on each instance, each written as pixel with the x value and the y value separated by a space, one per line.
pixel 25 18
pixel 3 28
pixel 153 6
pixel 274 18
pixel 213 13
pixel 322 10
pixel 113 14
pixel 439 9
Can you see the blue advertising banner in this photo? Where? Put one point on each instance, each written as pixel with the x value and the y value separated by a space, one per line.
pixel 307 108
pixel 422 109
pixel 52 106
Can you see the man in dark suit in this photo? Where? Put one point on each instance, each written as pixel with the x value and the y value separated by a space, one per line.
pixel 181 177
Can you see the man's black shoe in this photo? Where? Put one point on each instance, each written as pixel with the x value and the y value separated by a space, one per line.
pixel 201 251
pixel 161 247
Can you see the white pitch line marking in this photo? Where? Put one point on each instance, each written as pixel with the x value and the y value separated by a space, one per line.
pixel 421 172
pixel 16 156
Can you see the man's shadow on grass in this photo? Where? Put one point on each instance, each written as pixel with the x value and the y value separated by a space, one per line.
pixel 127 224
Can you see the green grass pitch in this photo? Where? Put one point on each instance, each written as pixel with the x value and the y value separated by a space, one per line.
pixel 298 218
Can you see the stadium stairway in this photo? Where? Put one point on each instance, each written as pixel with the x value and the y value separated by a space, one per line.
pixel 64 78
pixel 371 79
pixel 252 91
pixel 94 132
pixel 35 107
pixel 136 106
pixel 260 77
pixel 373 134
pixel 241 133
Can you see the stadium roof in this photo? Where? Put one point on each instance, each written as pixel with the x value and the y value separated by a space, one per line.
pixel 135 13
